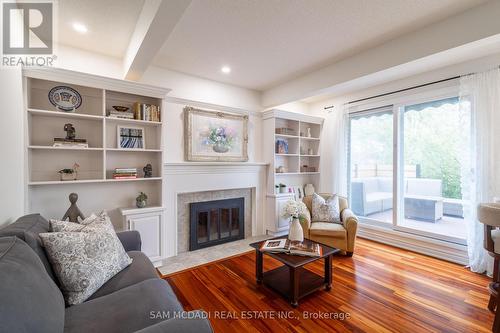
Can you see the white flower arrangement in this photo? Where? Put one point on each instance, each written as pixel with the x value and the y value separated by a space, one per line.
pixel 294 210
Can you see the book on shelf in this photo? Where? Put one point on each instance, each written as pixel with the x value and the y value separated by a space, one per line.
pixel 147 112
pixel 125 173
pixel 70 140
pixel 124 177
pixel 292 247
pixel 121 115
pixel 70 145
pixel 126 170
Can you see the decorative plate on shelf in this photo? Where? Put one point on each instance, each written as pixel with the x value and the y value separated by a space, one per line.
pixel 65 98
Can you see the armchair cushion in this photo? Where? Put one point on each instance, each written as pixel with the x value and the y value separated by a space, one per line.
pixel 333 230
pixel 325 210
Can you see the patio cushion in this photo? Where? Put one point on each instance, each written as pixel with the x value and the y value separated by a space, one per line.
pixel 328 229
pixel 376 196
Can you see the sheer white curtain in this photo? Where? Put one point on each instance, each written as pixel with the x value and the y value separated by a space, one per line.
pixel 480 108
pixel 333 161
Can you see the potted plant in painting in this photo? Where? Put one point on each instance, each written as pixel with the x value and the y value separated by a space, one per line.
pixel 69 174
pixel 220 138
pixel 141 200
pixel 294 211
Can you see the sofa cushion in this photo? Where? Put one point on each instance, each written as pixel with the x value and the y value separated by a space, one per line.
pixel 29 300
pixel 139 270
pixel 27 229
pixel 126 310
pixel 328 229
pixel 84 261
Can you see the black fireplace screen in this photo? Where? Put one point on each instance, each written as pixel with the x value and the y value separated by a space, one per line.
pixel 216 222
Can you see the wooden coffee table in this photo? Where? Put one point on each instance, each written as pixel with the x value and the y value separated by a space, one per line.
pixel 292 280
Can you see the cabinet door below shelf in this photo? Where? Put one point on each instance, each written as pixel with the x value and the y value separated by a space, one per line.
pixel 149 226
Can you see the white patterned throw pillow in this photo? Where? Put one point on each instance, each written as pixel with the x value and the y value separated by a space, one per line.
pixel 325 210
pixel 84 257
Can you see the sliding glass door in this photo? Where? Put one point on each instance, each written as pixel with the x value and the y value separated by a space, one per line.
pixel 416 146
pixel 431 198
pixel 371 171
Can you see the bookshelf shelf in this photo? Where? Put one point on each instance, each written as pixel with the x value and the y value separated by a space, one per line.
pixel 69 115
pixel 286 136
pixel 134 121
pixel 309 138
pixel 287 154
pixel 88 181
pixel 125 150
pixel 65 148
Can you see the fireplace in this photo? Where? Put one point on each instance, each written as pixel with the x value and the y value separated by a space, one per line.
pixel 216 222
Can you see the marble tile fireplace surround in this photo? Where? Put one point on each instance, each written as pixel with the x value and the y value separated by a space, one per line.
pixel 183 211
pixel 187 182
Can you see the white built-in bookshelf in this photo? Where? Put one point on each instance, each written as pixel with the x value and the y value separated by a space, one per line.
pixel 302 135
pixel 44 122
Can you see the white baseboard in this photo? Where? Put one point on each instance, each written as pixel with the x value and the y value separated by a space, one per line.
pixel 452 252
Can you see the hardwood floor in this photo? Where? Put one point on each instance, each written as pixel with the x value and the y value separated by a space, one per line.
pixel 382 288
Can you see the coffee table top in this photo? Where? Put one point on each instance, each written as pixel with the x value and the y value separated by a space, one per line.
pixel 296 260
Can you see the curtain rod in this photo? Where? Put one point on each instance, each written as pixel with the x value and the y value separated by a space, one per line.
pixel 405 89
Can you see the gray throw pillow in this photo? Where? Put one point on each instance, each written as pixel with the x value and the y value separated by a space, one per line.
pixel 85 259
pixel 325 210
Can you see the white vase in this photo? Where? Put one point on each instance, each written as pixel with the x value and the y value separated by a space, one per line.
pixel 295 233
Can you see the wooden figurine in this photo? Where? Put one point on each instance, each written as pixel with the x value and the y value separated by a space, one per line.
pixel 70 131
pixel 73 212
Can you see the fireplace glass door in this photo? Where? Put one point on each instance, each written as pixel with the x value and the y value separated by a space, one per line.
pixel 216 222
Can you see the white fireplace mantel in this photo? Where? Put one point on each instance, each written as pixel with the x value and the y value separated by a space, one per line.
pixel 188 177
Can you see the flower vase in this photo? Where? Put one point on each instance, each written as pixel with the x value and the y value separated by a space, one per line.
pixel 295 233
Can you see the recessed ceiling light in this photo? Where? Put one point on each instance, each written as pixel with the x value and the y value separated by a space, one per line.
pixel 80 27
pixel 226 69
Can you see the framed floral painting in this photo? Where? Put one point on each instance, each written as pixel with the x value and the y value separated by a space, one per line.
pixel 215 136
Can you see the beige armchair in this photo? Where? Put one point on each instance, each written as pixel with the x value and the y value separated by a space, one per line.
pixel 341 236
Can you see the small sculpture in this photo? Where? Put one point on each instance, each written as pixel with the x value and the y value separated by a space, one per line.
pixel 73 212
pixel 148 171
pixel 70 131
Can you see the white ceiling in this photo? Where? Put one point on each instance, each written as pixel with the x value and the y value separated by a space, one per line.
pixel 269 42
pixel 265 42
pixel 110 24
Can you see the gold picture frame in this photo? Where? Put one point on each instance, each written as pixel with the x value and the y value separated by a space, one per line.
pixel 212 136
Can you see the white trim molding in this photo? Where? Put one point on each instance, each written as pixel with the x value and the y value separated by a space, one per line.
pixel 210 106
pixel 100 82
pixel 448 251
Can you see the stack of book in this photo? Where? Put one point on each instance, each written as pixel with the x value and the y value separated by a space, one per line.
pixel 121 114
pixel 147 112
pixel 125 173
pixel 70 143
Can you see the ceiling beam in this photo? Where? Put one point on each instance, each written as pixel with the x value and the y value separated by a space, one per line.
pixel 155 24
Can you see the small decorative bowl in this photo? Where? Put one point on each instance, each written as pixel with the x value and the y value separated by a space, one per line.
pixel 120 108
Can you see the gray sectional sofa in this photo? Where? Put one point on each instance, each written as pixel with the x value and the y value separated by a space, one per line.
pixel 134 300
